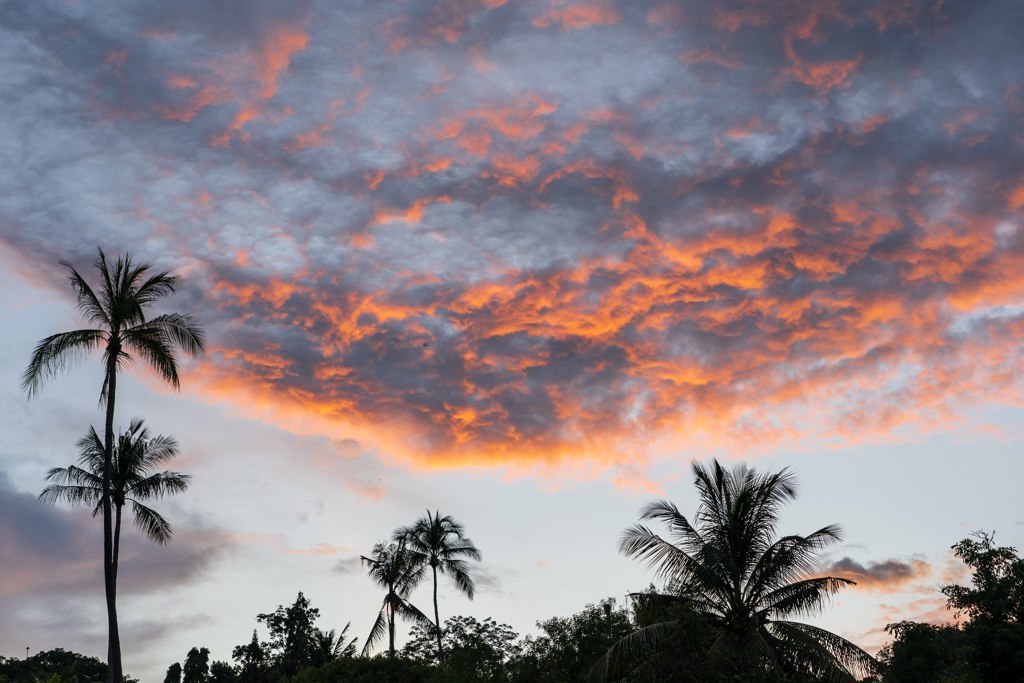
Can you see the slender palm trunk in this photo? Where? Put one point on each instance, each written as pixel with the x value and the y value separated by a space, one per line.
pixel 114 674
pixel 391 629
pixel 437 619
pixel 117 538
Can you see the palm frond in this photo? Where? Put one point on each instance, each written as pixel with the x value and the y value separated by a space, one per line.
pixel 152 523
pixel 788 559
pixel 631 647
pixel 56 353
pixel 378 631
pixel 155 347
pixel 72 494
pixel 181 330
pixel 156 287
pixel 88 303
pixel 805 598
pixel 821 653
pixel 159 485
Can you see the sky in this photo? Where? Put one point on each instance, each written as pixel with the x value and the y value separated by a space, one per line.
pixel 520 262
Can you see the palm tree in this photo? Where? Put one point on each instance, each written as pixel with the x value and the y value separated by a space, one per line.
pixel 441 543
pixel 330 645
pixel 135 454
pixel 120 327
pixel 391 567
pixel 730 567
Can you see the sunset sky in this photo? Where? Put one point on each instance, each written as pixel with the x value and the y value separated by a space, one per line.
pixel 521 262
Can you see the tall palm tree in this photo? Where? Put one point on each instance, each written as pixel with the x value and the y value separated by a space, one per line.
pixel 135 455
pixel 392 568
pixel 441 543
pixel 117 310
pixel 729 566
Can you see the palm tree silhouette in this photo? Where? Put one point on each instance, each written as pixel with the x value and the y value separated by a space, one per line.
pixel 392 568
pixel 135 455
pixel 331 645
pixel 117 311
pixel 729 566
pixel 441 543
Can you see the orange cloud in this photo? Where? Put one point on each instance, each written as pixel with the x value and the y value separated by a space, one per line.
pixel 577 16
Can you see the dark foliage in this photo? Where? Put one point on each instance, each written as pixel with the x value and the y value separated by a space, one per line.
pixel 53 666
pixel 989 646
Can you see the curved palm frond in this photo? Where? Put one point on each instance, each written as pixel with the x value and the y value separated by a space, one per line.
pixel 154 347
pixel 380 627
pixel 152 523
pixel 821 653
pixel 790 558
pixel 631 647
pixel 181 330
pixel 805 598
pixel 55 354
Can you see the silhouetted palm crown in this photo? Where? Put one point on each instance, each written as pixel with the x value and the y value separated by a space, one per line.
pixel 117 311
pixel 441 543
pixel 730 566
pixel 135 455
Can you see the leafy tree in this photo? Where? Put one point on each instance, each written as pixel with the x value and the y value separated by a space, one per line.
pixel 55 665
pixel 173 673
pixel 121 328
pixel 441 544
pixel 222 672
pixel 392 567
pixel 475 650
pixel 996 594
pixel 292 634
pixel 730 567
pixel 569 646
pixel 135 454
pixel 252 659
pixel 989 646
pixel 197 666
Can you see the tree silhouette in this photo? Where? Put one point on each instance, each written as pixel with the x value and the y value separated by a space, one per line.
pixel 331 645
pixel 441 544
pixel 135 455
pixel 118 313
pixel 392 567
pixel 729 566
pixel 197 666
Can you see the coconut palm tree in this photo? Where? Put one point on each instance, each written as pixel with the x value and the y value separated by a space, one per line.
pixel 135 455
pixel 392 568
pixel 729 566
pixel 441 543
pixel 121 328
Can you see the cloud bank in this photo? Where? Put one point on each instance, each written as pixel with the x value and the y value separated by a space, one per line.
pixel 489 233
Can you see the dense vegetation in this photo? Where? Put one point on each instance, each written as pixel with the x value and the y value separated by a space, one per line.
pixel 729 587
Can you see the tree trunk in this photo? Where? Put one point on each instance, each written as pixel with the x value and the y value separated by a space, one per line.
pixel 117 539
pixel 437 619
pixel 391 630
pixel 114 674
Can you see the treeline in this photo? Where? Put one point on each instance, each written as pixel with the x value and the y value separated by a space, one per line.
pixel 986 647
